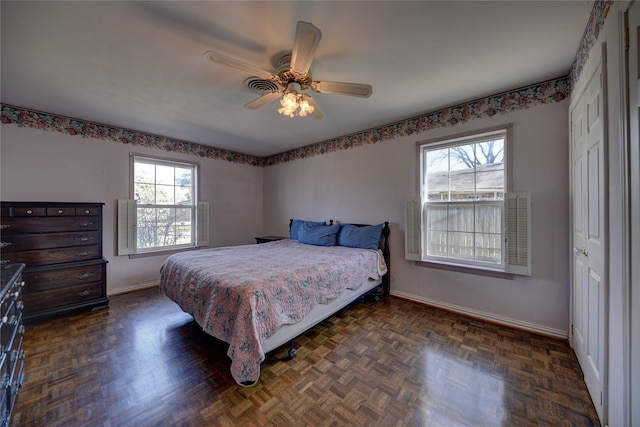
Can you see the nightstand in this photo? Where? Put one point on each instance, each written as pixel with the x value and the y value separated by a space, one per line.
pixel 265 239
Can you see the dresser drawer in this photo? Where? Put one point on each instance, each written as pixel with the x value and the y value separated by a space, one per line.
pixel 59 211
pixel 62 297
pixel 13 344
pixel 47 280
pixel 17 378
pixel 12 294
pixel 71 211
pixel 15 225
pixel 28 211
pixel 85 211
pixel 9 322
pixel 5 390
pixel 22 242
pixel 53 256
pixel 11 327
pixel 15 355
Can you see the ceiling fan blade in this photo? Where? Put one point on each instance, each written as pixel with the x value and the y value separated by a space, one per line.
pixel 264 99
pixel 239 65
pixel 317 111
pixel 304 46
pixel 342 88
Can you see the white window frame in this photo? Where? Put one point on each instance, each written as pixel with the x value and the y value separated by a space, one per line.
pixel 416 211
pixel 128 212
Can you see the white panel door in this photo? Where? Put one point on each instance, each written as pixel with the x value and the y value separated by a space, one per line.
pixel 580 271
pixel 633 73
pixel 588 220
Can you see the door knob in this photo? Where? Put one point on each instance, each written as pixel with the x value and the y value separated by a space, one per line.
pixel 581 251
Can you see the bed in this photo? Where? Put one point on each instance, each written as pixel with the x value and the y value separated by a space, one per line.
pixel 259 297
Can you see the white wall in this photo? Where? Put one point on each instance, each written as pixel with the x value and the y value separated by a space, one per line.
pixel 369 184
pixel 49 166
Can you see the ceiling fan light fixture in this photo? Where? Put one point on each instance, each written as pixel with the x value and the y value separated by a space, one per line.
pixel 294 102
pixel 292 77
pixel 305 108
pixel 289 102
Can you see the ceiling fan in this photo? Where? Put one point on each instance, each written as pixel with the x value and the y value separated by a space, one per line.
pixel 292 77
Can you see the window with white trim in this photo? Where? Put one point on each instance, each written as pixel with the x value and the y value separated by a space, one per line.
pixel 163 212
pixel 460 219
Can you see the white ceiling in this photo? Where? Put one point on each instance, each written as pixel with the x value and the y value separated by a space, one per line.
pixel 140 65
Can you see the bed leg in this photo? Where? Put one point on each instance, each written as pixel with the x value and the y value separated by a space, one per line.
pixel 292 351
pixel 372 297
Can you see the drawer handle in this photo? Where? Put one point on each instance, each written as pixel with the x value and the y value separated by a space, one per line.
pixel 3 226
pixel 87 211
pixel 21 284
pixel 84 253
pixel 60 211
pixel 85 224
pixel 5 244
pixel 84 276
pixel 85 293
pixel 84 238
pixel 29 212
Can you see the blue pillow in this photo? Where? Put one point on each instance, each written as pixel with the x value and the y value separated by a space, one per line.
pixel 297 223
pixel 367 237
pixel 318 236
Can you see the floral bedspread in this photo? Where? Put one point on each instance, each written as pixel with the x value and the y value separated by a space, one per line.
pixel 243 294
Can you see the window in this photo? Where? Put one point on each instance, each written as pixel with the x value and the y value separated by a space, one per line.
pixel 463 186
pixel 460 217
pixel 164 211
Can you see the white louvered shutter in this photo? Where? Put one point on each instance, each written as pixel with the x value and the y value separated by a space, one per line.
pixel 127 239
pixel 202 227
pixel 413 230
pixel 518 235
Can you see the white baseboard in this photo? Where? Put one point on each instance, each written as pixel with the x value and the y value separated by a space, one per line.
pixel 133 288
pixel 494 318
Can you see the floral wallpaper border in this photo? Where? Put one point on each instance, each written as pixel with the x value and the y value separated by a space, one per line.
pixel 50 122
pixel 550 91
pixel 591 32
pixel 542 93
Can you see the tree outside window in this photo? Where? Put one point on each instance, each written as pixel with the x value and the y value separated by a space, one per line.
pixel 166 203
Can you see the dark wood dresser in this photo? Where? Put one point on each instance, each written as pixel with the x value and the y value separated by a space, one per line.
pixel 11 333
pixel 61 246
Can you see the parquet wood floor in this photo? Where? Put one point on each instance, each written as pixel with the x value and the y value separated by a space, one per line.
pixel 143 362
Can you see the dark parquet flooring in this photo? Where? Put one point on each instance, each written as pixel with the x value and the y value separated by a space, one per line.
pixel 143 362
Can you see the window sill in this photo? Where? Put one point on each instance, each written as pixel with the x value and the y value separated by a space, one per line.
pixel 469 270
pixel 165 252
